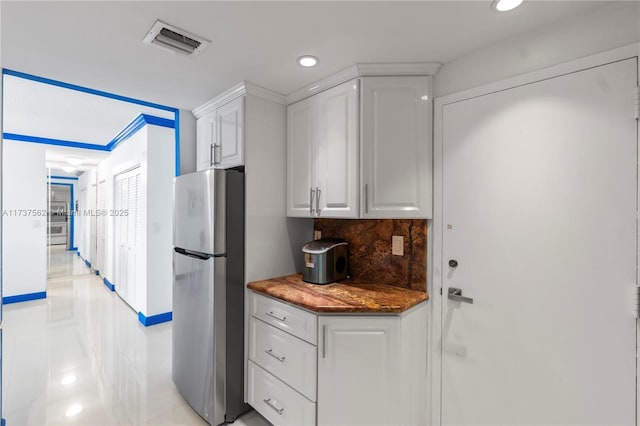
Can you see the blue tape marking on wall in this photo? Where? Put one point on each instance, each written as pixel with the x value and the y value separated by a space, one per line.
pixel 109 285
pixel 138 123
pixel 176 120
pixel 24 297
pixel 3 422
pixel 57 142
pixel 85 89
pixel 154 319
pixel 64 177
pixel 73 249
pixel 72 209
pixel 86 262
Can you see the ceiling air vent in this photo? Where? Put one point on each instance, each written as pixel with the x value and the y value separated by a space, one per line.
pixel 177 40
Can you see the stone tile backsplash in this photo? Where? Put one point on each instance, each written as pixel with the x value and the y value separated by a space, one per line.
pixel 370 255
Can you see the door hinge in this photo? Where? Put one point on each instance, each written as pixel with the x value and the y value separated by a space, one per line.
pixel 635 300
pixel 636 101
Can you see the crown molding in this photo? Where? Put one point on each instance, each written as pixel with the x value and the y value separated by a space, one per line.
pixel 236 91
pixel 364 70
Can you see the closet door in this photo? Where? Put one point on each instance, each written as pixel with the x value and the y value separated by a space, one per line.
pixel 128 233
pixel 100 228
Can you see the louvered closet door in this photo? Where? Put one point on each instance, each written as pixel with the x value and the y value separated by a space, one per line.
pixel 128 232
pixel 101 222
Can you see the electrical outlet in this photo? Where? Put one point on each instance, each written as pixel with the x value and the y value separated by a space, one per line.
pixel 317 235
pixel 397 245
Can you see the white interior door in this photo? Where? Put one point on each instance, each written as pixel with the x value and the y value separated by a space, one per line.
pixel 128 233
pixel 100 228
pixel 93 226
pixel 539 212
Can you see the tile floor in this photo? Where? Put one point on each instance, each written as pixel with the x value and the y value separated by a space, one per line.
pixel 64 263
pixel 81 357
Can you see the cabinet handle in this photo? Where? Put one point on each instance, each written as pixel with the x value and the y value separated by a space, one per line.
pixel 312 193
pixel 216 148
pixel 324 341
pixel 272 405
pixel 212 155
pixel 275 316
pixel 366 198
pixel 279 358
pixel 317 201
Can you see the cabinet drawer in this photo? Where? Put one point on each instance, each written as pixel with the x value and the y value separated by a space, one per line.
pixel 276 401
pixel 292 360
pixel 285 317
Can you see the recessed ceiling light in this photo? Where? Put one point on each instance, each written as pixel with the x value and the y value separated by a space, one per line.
pixel 69 169
pixel 307 61
pixel 505 5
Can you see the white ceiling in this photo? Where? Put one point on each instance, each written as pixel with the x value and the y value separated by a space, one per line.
pixel 37 109
pixel 99 44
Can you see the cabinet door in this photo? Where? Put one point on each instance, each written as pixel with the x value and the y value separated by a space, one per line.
pixel 396 147
pixel 337 151
pixel 300 157
pixel 358 371
pixel 228 148
pixel 206 126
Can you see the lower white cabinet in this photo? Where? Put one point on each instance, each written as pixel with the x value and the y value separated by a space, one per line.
pixel 276 401
pixel 369 370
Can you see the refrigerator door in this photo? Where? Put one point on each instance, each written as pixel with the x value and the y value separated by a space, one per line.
pixel 197 306
pixel 198 198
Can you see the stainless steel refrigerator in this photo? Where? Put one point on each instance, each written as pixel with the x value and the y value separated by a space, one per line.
pixel 208 293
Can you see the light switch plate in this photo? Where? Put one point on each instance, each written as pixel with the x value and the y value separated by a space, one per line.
pixel 317 235
pixel 397 245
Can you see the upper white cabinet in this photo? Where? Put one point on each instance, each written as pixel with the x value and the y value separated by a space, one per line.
pixel 228 149
pixel 300 157
pixel 220 139
pixel 396 147
pixel 362 149
pixel 206 129
pixel 322 154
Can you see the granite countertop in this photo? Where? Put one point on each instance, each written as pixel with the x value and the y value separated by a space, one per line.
pixel 356 296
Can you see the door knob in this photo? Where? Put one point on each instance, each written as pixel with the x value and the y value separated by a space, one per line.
pixel 453 263
pixel 456 295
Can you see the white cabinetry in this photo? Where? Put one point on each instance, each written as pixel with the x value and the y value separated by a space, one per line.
pixel 206 131
pixel 370 369
pixel 220 136
pixel 396 147
pixel 387 128
pixel 228 151
pixel 322 154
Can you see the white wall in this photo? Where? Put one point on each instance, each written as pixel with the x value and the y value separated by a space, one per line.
pixel 160 175
pixel 82 223
pixel 152 148
pixel 273 241
pixel 187 142
pixel 24 242
pixel 606 28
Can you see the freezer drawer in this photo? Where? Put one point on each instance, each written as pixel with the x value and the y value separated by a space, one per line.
pixel 198 199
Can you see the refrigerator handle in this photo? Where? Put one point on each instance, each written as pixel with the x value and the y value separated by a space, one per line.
pixel 184 252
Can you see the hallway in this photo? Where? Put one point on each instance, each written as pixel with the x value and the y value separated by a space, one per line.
pixel 65 263
pixel 80 356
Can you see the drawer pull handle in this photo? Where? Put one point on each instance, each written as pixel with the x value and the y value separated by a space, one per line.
pixel 275 316
pixel 272 405
pixel 279 358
